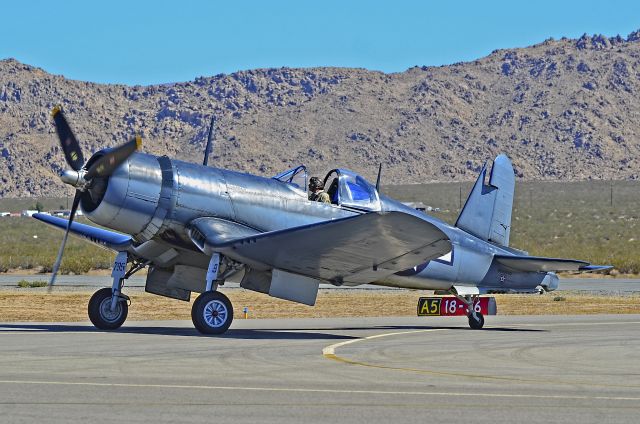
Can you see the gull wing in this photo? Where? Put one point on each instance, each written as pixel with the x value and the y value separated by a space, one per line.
pixel 358 249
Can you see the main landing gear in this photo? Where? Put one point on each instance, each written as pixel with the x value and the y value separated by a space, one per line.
pixel 212 312
pixel 102 315
pixel 108 307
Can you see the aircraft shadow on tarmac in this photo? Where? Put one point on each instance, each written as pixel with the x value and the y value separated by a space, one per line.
pixel 426 327
pixel 284 334
pixel 273 333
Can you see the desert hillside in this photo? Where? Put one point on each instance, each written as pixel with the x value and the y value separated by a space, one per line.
pixel 562 109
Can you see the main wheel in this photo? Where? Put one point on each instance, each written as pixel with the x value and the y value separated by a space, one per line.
pixel 476 322
pixel 100 312
pixel 212 313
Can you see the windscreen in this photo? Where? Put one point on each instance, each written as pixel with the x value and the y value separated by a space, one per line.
pixel 297 177
pixel 356 191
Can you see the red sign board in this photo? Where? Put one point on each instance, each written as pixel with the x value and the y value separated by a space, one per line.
pixel 452 306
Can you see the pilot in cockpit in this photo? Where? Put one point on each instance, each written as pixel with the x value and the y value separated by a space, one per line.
pixel 316 191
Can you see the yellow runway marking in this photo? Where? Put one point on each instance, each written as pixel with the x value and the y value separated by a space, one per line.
pixel 331 349
pixel 310 390
pixel 329 352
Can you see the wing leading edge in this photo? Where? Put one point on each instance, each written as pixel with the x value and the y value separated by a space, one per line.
pixel 103 238
pixel 358 249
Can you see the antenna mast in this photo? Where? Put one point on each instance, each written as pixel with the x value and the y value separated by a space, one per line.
pixel 209 141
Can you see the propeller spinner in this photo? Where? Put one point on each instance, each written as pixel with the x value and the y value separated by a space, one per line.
pixel 79 176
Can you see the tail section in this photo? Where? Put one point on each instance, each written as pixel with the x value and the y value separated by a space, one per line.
pixel 540 264
pixel 487 212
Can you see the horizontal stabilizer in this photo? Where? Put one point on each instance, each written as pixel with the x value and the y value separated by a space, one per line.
pixel 541 264
pixel 358 249
pixel 593 268
pixel 103 238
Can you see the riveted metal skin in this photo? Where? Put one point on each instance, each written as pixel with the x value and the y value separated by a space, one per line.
pixel 149 196
pixel 156 198
pixel 131 195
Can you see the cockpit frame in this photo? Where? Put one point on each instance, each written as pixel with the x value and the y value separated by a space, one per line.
pixel 350 190
pixel 296 177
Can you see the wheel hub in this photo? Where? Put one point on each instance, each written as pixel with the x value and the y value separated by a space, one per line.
pixel 215 313
pixel 106 312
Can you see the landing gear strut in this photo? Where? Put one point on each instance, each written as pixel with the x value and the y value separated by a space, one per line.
pixel 108 307
pixel 212 312
pixel 476 319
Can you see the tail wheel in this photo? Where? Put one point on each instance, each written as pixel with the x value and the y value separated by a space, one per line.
pixel 212 313
pixel 100 312
pixel 476 322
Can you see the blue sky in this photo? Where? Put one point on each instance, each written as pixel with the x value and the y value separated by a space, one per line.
pixel 147 42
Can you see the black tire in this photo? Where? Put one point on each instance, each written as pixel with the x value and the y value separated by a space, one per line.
pixel 212 313
pixel 478 323
pixel 100 310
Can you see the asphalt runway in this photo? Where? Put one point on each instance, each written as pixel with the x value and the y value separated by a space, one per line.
pixel 560 369
pixel 594 285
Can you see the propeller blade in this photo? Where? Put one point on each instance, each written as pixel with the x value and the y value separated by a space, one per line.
pixel 56 265
pixel 207 150
pixel 107 163
pixel 68 141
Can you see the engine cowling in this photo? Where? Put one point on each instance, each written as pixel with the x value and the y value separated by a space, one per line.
pixel 126 200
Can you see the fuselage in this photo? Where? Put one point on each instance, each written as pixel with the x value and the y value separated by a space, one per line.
pixel 155 198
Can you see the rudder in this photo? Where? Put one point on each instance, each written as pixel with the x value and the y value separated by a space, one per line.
pixel 487 211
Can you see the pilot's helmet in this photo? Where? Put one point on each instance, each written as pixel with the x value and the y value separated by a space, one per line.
pixel 315 183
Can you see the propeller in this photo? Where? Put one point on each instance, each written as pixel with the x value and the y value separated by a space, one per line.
pixel 56 264
pixel 68 141
pixel 79 176
pixel 106 164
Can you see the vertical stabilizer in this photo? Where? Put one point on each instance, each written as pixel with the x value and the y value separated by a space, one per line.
pixel 487 212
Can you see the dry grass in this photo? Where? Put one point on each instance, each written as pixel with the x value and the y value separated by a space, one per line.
pixel 596 221
pixel 36 305
pixel 573 304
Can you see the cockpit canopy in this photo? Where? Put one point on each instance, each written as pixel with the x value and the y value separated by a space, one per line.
pixel 348 189
pixel 345 188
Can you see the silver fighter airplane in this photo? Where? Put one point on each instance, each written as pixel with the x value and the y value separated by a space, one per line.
pixel 196 227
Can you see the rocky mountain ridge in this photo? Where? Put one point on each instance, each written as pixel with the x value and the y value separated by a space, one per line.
pixel 562 109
